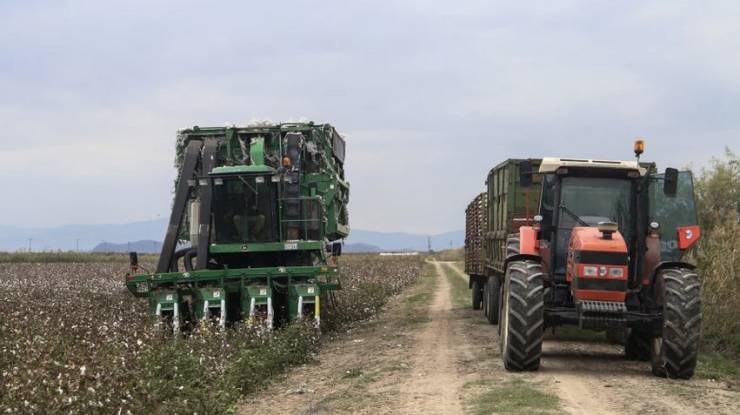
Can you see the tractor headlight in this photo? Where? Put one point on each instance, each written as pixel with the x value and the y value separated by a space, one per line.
pixel 589 271
pixel 616 272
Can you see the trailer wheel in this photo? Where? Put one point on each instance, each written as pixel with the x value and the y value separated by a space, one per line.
pixel 483 300
pixel 476 294
pixel 494 286
pixel 523 316
pixel 674 353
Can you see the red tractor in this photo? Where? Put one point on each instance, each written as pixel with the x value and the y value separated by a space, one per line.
pixel 593 243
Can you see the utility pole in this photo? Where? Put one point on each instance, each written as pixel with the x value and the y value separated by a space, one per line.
pixel 77 245
pixel 429 244
pixel 30 241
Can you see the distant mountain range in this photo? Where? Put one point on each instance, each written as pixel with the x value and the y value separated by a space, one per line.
pixel 146 236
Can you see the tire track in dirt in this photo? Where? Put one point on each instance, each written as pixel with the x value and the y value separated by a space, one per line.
pixel 407 361
pixel 434 385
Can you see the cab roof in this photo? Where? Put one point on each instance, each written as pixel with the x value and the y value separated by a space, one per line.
pixel 552 164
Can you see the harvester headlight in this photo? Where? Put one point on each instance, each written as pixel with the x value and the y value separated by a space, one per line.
pixel 616 272
pixel 259 179
pixel 590 271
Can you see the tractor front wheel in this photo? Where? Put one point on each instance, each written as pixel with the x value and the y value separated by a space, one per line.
pixel 522 326
pixel 674 353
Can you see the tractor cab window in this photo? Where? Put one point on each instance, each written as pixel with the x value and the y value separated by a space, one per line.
pixel 586 201
pixel 672 212
pixel 244 210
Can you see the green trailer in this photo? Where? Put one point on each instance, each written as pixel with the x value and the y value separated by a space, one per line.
pixel 505 206
pixel 256 229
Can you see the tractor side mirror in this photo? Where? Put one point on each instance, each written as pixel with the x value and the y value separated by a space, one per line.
pixel 525 173
pixel 670 181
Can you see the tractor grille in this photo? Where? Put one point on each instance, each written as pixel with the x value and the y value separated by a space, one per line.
pixel 601 314
pixel 610 307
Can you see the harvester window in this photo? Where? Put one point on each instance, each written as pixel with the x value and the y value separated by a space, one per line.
pixel 244 211
pixel 590 200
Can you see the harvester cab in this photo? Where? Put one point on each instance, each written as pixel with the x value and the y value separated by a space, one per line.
pixel 598 244
pixel 256 220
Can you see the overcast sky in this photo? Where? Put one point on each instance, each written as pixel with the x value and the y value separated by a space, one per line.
pixel 431 94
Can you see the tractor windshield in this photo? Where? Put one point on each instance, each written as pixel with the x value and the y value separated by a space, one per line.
pixel 244 210
pixel 588 201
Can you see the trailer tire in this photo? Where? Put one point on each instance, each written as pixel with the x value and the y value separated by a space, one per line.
pixel 483 300
pixel 476 294
pixel 522 316
pixel 673 354
pixel 494 286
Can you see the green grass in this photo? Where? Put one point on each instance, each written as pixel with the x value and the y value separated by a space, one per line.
pixel 713 365
pixel 458 285
pixel 416 304
pixel 573 333
pixel 511 397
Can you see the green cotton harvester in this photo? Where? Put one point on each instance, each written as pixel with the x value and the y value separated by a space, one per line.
pixel 257 221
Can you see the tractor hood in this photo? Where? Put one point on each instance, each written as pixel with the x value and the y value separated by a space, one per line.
pixel 591 239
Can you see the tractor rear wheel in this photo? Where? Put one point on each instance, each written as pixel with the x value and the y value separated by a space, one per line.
pixel 494 286
pixel 476 294
pixel 673 354
pixel 522 326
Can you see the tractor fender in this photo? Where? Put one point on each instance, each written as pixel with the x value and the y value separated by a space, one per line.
pixel 522 246
pixel 668 264
pixel 527 240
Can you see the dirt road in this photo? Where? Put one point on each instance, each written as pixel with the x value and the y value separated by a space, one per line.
pixel 429 353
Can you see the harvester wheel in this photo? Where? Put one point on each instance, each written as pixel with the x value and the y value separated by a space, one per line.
pixel 494 286
pixel 476 294
pixel 523 316
pixel 484 300
pixel 674 353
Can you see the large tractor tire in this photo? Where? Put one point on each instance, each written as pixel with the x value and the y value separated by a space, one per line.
pixel 476 294
pixel 522 326
pixel 512 245
pixel 494 286
pixel 674 353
